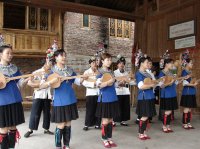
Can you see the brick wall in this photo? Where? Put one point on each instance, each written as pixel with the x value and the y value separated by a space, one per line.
pixel 80 43
pixel 122 46
pixel 27 66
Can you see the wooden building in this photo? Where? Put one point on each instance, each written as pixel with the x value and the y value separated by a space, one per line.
pixel 154 34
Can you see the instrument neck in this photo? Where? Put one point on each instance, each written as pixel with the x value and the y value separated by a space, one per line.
pixel 20 77
pixel 25 76
pixel 70 77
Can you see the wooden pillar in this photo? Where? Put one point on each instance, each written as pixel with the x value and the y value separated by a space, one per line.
pixel 27 17
pixel 141 27
pixel 38 19
pixel 197 13
pixel 49 20
pixel 1 14
pixel 58 25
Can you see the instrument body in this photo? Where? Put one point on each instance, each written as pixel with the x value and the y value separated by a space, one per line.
pixel 5 79
pixel 168 79
pixel 57 79
pixel 194 80
pixel 107 76
pixel 148 81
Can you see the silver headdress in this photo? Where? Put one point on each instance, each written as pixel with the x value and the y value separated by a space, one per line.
pixel 2 41
pixel 50 51
pixel 138 56
pixel 166 55
pixel 184 57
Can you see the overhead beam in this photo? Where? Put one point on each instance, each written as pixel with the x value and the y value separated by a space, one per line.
pixel 81 8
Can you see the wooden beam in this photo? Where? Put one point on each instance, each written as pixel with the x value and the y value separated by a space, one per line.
pixel 29 55
pixel 171 9
pixel 81 8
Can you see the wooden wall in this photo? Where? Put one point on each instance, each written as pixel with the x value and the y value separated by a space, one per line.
pixel 152 33
pixel 32 42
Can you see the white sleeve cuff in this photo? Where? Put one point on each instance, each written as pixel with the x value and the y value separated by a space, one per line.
pixel 185 82
pixel 140 84
pixel 77 81
pixel 98 81
pixel 116 84
pixel 20 83
pixel 160 83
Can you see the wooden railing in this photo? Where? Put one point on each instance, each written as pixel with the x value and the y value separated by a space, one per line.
pixel 26 41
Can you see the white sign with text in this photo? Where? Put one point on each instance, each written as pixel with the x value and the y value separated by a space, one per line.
pixel 182 29
pixel 185 42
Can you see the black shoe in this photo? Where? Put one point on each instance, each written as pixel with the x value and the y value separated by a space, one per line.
pixel 28 134
pixel 97 127
pixel 48 132
pixel 123 124
pixel 85 128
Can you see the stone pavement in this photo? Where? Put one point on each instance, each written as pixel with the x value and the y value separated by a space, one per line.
pixel 125 137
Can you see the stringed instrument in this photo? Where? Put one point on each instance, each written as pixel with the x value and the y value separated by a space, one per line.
pixel 148 81
pixel 92 76
pixel 107 76
pixel 194 80
pixel 165 79
pixel 168 79
pixel 59 79
pixel 4 80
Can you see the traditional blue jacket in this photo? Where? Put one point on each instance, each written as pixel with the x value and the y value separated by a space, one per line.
pixel 143 94
pixel 10 94
pixel 108 93
pixel 64 94
pixel 188 90
pixel 169 91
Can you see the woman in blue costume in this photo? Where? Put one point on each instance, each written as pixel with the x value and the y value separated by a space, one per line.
pixel 11 110
pixel 188 98
pixel 168 96
pixel 108 107
pixel 145 105
pixel 64 100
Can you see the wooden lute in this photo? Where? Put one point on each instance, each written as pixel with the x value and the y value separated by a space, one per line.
pixel 90 78
pixel 5 79
pixel 168 79
pixel 148 81
pixel 107 76
pixel 59 79
pixel 194 80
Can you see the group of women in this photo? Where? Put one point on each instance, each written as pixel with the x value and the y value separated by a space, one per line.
pixel 108 96
pixel 168 96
